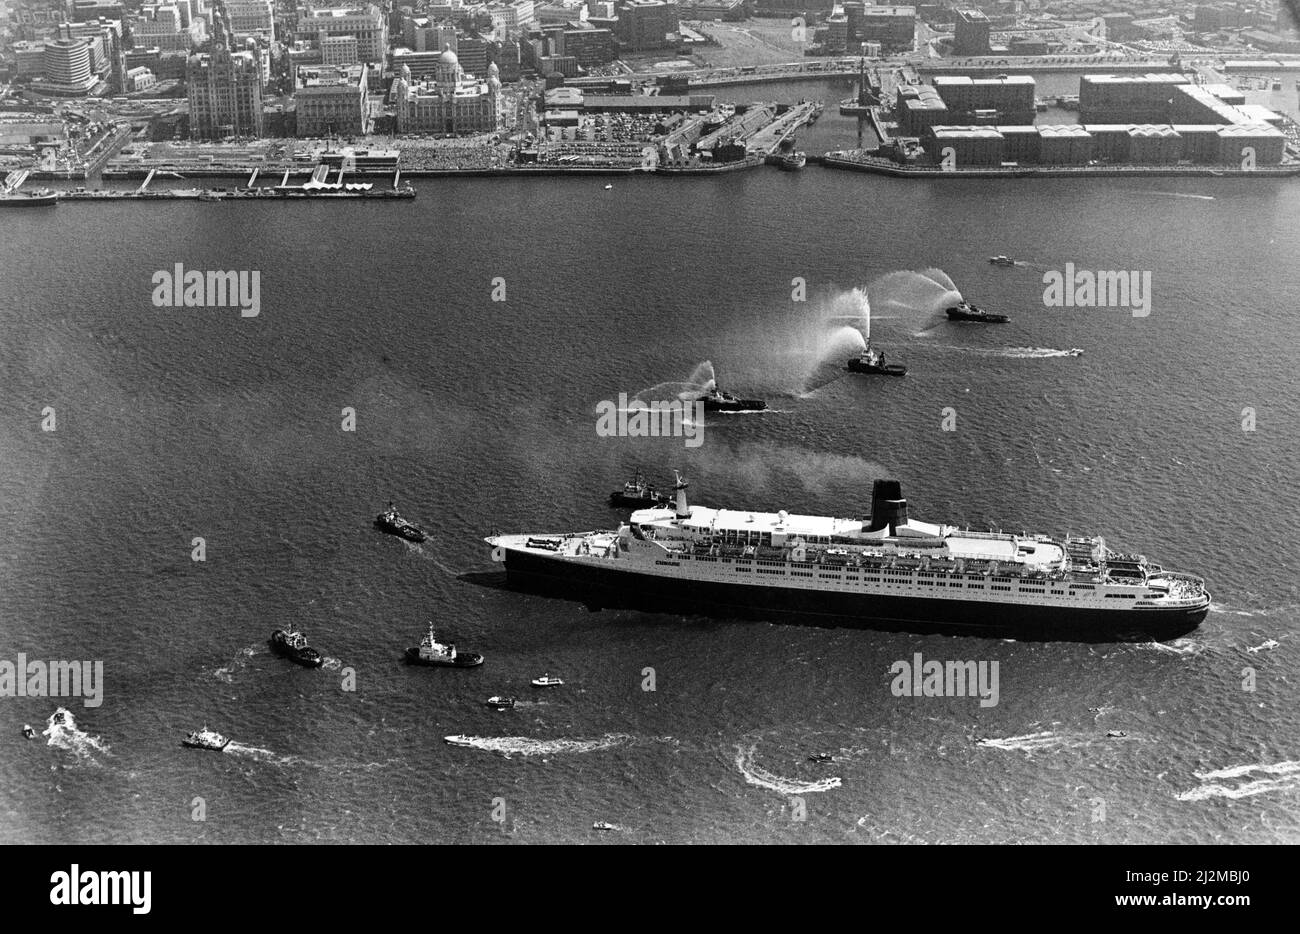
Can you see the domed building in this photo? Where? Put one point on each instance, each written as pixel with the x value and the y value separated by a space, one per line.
pixel 453 102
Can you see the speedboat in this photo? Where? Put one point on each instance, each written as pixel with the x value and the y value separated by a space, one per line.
pixel 604 825
pixel 432 652
pixel 28 731
pixel 389 521
pixel 965 311
pixel 1116 734
pixel 546 681
pixel 459 739
pixel 821 757
pixel 206 739
pixel 873 361
pixel 638 494
pixel 498 702
pixel 608 187
pixel 292 644
pixel 1001 260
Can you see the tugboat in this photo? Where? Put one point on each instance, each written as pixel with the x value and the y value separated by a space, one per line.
pixel 498 702
pixel 968 312
pixel 1001 260
pixel 638 494
pixel 206 739
pixel 389 521
pixel 292 644
pixel 715 400
pixel 546 681
pixel 432 652
pixel 873 361
pixel 793 161
pixel 37 198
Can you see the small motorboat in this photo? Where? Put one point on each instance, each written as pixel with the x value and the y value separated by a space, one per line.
pixel 28 731
pixel 546 681
pixel 459 739
pixel 498 702
pixel 821 757
pixel 389 521
pixel 1116 734
pixel 206 739
pixel 604 825
pixel 873 361
pixel 292 644
pixel 1001 260
pixel 609 187
pixel 432 652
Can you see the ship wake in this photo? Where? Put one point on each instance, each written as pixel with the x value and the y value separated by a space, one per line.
pixel 509 746
pixel 762 778
pixel 227 672
pixel 1043 741
pixel 1256 779
pixel 63 733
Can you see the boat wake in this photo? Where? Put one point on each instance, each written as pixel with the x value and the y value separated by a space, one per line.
pixel 1183 646
pixel 1043 741
pixel 63 733
pixel 1260 779
pixel 755 775
pixel 261 755
pixel 238 663
pixel 1010 353
pixel 509 746
pixel 1175 194
pixel 329 663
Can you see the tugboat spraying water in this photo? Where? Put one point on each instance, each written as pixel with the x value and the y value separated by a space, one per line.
pixel 715 400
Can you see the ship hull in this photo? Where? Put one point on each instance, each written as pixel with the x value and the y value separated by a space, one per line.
pixel 606 588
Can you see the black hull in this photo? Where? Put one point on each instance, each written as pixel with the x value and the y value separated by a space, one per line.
pixel 891 369
pixel 463 660
pixel 310 658
pixel 601 588
pixel 408 532
pixel 982 319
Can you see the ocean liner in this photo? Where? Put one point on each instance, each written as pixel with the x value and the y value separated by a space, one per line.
pixel 887 572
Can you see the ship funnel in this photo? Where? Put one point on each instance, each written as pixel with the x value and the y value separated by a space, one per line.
pixel 683 510
pixel 888 508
